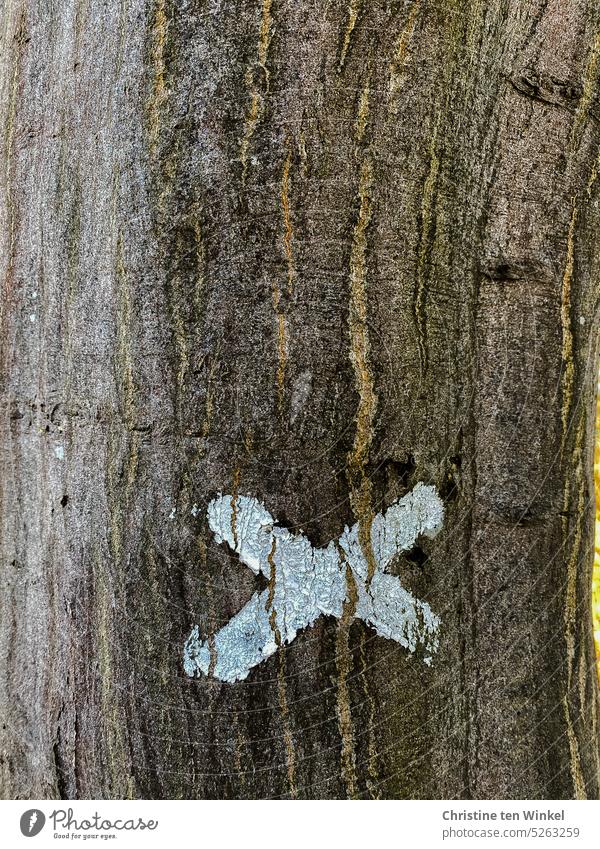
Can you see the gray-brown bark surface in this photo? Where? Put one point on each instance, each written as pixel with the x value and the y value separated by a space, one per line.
pixel 312 252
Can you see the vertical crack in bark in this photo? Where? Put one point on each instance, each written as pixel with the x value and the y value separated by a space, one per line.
pixel 240 742
pixel 287 221
pixel 589 92
pixel 208 407
pixel 184 315
pixel 122 36
pixel 282 333
pixel 200 268
pixel 343 657
pixel 124 360
pixel 596 573
pixel 354 9
pixel 281 345
pixel 397 64
pixel 211 607
pixel 290 754
pixel 120 776
pixel 287 731
pixel 360 495
pixel 427 226
pixel 271 594
pixel 568 365
pixel 250 123
pixel 235 488
pixel 177 299
pixel 186 240
pixel 159 92
pixel 570 612
pixel 113 493
pixel 372 771
pixel 72 266
pixel 209 401
pixel 255 111
pixel 363 110
pixel 264 38
pixel 125 368
pixel 9 135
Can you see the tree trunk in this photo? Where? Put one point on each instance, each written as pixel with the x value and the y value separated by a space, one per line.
pixel 312 254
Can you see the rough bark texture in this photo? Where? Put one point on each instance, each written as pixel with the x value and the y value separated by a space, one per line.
pixel 312 252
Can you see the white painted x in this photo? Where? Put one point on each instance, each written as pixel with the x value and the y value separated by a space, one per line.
pixel 305 582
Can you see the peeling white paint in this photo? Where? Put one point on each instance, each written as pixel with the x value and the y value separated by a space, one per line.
pixel 309 582
pixel 195 510
pixel 173 513
pixel 59 452
pixel 32 317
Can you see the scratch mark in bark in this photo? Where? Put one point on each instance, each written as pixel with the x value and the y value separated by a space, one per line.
pixel 568 365
pixel 359 357
pixel 343 657
pixel 354 10
pixel 159 93
pixel 400 50
pixel 287 221
pixel 427 214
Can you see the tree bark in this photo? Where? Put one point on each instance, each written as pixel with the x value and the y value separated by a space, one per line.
pixel 311 253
